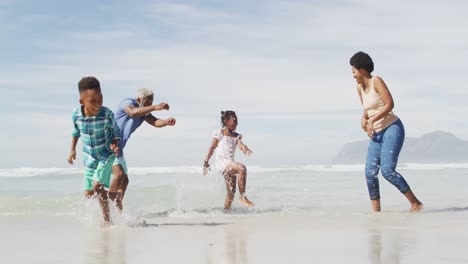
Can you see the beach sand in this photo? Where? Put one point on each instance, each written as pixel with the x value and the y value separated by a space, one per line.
pixel 302 216
pixel 398 237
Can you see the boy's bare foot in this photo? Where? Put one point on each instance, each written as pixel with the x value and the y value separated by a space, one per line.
pixel 416 207
pixel 246 201
pixel 107 224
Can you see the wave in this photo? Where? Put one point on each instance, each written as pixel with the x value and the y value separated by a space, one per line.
pixel 31 172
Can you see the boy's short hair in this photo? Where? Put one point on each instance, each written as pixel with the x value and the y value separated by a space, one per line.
pixel 143 93
pixel 362 60
pixel 89 83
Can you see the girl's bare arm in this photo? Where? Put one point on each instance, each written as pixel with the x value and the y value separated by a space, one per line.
pixel 206 165
pixel 244 148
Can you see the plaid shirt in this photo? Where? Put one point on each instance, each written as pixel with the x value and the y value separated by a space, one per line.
pixel 97 133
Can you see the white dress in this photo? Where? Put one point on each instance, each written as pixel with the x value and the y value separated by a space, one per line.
pixel 226 149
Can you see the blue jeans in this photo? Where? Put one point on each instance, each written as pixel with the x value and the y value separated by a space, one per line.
pixel 384 149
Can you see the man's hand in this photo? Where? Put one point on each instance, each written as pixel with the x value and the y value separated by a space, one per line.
pixel 161 106
pixel 170 121
pixel 71 157
pixel 115 148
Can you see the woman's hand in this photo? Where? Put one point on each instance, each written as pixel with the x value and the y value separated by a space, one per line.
pixel 370 128
pixel 364 123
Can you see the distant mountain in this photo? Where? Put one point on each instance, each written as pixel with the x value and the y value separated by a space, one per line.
pixel 434 147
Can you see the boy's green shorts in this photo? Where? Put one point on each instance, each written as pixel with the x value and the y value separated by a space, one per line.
pixel 101 174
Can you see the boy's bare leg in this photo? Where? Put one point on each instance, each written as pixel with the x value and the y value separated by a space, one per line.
pixel 230 180
pixel 118 186
pixel 103 202
pixel 416 205
pixel 105 210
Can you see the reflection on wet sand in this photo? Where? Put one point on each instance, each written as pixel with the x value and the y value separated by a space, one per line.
pixel 236 249
pixel 232 249
pixel 106 246
pixel 390 245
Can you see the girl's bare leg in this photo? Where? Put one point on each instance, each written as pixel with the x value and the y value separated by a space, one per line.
pixel 230 180
pixel 241 171
pixel 242 182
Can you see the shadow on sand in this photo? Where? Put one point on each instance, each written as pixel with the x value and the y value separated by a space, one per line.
pixel 145 224
pixel 447 210
pixel 215 211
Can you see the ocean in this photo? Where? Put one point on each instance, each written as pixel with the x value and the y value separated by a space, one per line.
pixel 305 214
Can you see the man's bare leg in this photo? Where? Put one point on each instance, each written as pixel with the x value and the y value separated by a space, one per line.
pixel 118 186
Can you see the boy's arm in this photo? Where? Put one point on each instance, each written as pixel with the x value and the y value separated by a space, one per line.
pixel 133 111
pixel 156 122
pixel 72 155
pixel 75 136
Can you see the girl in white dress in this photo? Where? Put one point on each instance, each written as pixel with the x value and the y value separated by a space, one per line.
pixel 225 141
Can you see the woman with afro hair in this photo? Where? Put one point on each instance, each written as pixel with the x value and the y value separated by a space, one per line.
pixel 385 130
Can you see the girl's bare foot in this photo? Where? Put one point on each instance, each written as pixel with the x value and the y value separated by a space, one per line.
pixel 246 201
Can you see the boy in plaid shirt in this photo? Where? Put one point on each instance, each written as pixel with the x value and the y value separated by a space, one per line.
pixel 96 126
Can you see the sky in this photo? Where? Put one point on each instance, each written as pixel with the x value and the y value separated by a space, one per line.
pixel 283 66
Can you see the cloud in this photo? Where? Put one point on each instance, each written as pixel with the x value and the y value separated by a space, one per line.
pixel 102 35
pixel 7 2
pixel 283 66
pixel 187 12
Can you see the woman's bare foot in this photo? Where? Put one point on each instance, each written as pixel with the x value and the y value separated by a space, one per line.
pixel 416 207
pixel 246 201
pixel 376 205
